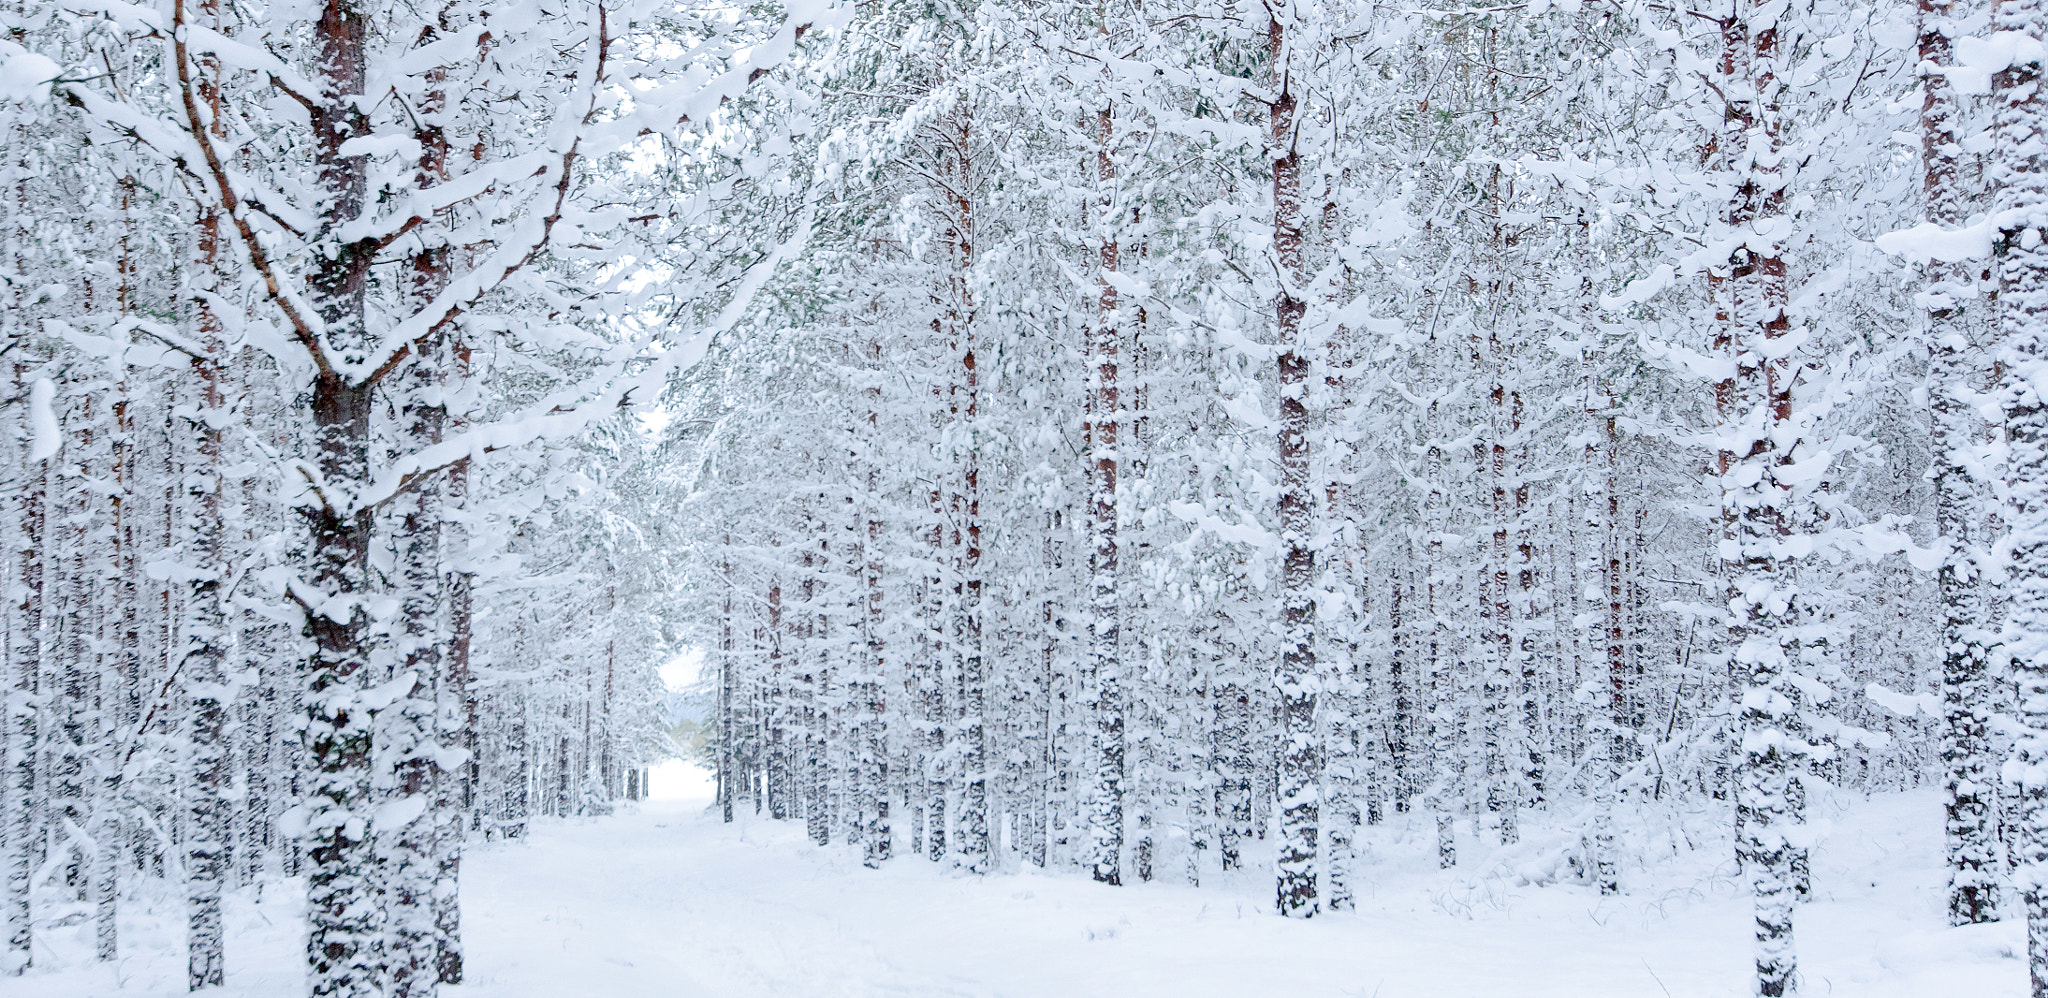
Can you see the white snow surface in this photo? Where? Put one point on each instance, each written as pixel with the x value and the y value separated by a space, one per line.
pixel 26 76
pixel 667 902
pixel 49 439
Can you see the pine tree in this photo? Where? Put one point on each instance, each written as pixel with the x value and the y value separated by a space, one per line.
pixel 1959 365
pixel 1757 486
pixel 2021 202
pixel 1295 679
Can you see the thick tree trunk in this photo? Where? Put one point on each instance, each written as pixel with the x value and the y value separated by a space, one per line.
pixel 2017 174
pixel 1106 706
pixel 1295 681
pixel 1959 365
pixel 408 850
pixel 1755 500
pixel 343 943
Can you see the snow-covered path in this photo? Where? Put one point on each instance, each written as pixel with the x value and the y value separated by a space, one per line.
pixel 669 903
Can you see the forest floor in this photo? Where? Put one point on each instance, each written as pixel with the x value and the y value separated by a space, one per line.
pixel 667 901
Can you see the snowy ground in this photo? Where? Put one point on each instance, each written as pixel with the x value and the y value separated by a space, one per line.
pixel 669 902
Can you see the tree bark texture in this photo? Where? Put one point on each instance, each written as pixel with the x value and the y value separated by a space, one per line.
pixel 2020 128
pixel 1295 680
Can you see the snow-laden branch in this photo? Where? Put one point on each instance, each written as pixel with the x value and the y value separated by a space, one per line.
pixel 570 411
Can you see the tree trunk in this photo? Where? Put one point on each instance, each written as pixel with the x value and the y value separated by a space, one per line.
pixel 959 316
pixel 1498 688
pixel 1443 795
pixel 2017 173
pixel 872 744
pixel 1958 364
pixel 25 651
pixel 204 657
pixel 777 711
pixel 1755 500
pixel 728 693
pixel 1106 819
pixel 345 931
pixel 1295 680
pixel 456 793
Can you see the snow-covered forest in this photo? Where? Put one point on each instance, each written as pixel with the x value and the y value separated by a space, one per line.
pixel 1194 442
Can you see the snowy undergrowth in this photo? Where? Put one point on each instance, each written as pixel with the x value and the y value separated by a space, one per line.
pixel 667 901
